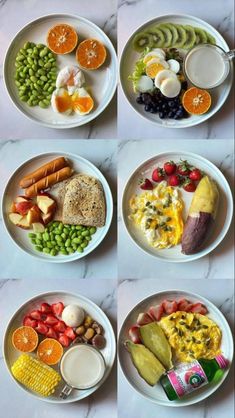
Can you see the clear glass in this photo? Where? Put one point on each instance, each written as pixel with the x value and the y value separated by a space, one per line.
pixel 207 66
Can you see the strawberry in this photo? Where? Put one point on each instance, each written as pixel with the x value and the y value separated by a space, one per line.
pixel 29 322
pixel 158 175
pixel 57 308
pixel 174 180
pixel 50 320
pixel 195 174
pixel 36 315
pixel 70 333
pixel 189 186
pixel 51 333
pixel 46 308
pixel 145 184
pixel 60 326
pixel 41 328
pixel 134 334
pixel 64 340
pixel 169 168
pixel 183 168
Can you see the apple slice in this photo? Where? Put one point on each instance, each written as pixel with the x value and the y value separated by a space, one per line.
pixel 23 207
pixel 38 227
pixel 45 204
pixel 13 208
pixel 34 215
pixel 22 199
pixel 47 217
pixel 15 218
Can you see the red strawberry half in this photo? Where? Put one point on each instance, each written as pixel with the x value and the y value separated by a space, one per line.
pixel 46 308
pixel 57 308
pixel 41 328
pixel 60 326
pixel 70 333
pixel 51 333
pixel 29 322
pixel 51 320
pixel 64 340
pixel 36 315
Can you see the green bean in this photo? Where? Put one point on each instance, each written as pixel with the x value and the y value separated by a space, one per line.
pixel 42 105
pixel 38 248
pixel 92 230
pixel 46 250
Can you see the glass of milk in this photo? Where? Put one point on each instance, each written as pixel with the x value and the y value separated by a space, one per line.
pixel 207 66
pixel 82 367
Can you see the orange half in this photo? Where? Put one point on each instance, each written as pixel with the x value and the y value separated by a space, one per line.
pixel 91 54
pixel 62 39
pixel 50 351
pixel 25 339
pixel 196 101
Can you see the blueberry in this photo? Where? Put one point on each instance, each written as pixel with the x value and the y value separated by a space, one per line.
pixel 147 108
pixel 153 110
pixel 146 97
pixel 171 115
pixel 171 103
pixel 139 100
pixel 164 106
pixel 180 113
pixel 162 115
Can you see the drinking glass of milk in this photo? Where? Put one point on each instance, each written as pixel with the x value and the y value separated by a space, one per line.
pixel 207 66
pixel 82 367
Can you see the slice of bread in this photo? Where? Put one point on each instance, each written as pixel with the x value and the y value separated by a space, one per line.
pixel 84 202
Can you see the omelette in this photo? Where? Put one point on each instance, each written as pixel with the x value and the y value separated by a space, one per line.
pixel 158 214
pixel 191 336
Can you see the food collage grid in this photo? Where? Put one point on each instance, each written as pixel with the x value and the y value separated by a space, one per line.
pixel 117 215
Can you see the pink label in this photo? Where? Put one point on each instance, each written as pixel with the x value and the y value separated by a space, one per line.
pixel 187 378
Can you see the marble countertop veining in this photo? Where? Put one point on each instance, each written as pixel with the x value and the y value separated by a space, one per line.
pixel 102 404
pixel 99 264
pixel 133 263
pixel 221 403
pixel 14 15
pixel 133 13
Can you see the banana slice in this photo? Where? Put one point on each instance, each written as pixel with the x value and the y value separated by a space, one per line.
pixel 163 75
pixel 145 84
pixel 170 87
pixel 174 65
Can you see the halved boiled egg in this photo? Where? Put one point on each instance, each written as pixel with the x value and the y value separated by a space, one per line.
pixel 170 87
pixel 174 65
pixel 155 53
pixel 154 66
pixel 80 101
pixel 144 84
pixel 71 77
pixel 163 75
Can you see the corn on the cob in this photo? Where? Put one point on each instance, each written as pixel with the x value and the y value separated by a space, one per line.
pixel 35 375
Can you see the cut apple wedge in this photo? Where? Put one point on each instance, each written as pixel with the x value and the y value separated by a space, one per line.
pixel 34 215
pixel 19 220
pixel 47 217
pixel 38 227
pixel 23 207
pixel 22 199
pixel 45 204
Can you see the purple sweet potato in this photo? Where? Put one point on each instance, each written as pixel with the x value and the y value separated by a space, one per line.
pixel 195 232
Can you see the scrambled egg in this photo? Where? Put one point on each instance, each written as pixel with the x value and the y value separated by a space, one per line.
pixel 192 336
pixel 158 213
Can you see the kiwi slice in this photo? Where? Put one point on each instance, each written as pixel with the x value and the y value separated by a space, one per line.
pixel 201 37
pixel 182 36
pixel 191 37
pixel 167 35
pixel 142 40
pixel 157 37
pixel 210 39
pixel 174 32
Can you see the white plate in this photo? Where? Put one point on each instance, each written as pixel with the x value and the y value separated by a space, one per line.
pixel 11 355
pixel 102 82
pixel 129 57
pixel 156 393
pixel 224 213
pixel 20 236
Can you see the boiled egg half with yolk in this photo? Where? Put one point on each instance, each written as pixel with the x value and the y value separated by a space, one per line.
pixel 70 77
pixel 80 101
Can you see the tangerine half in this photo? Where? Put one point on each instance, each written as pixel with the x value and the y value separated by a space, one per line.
pixel 196 101
pixel 25 339
pixel 62 39
pixel 91 54
pixel 50 351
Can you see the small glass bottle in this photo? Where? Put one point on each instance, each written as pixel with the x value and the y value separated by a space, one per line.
pixel 190 376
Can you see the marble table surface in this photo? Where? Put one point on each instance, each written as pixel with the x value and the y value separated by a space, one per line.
pixel 133 13
pixel 133 262
pixel 14 15
pixel 13 401
pixel 99 264
pixel 221 403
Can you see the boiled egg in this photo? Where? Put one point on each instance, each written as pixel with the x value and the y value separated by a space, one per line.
pixel 170 87
pixel 71 77
pixel 154 66
pixel 163 75
pixel 82 102
pixel 61 101
pixel 144 84
pixel 155 53
pixel 174 65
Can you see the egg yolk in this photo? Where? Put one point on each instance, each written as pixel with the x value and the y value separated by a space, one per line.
pixel 63 102
pixel 81 103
